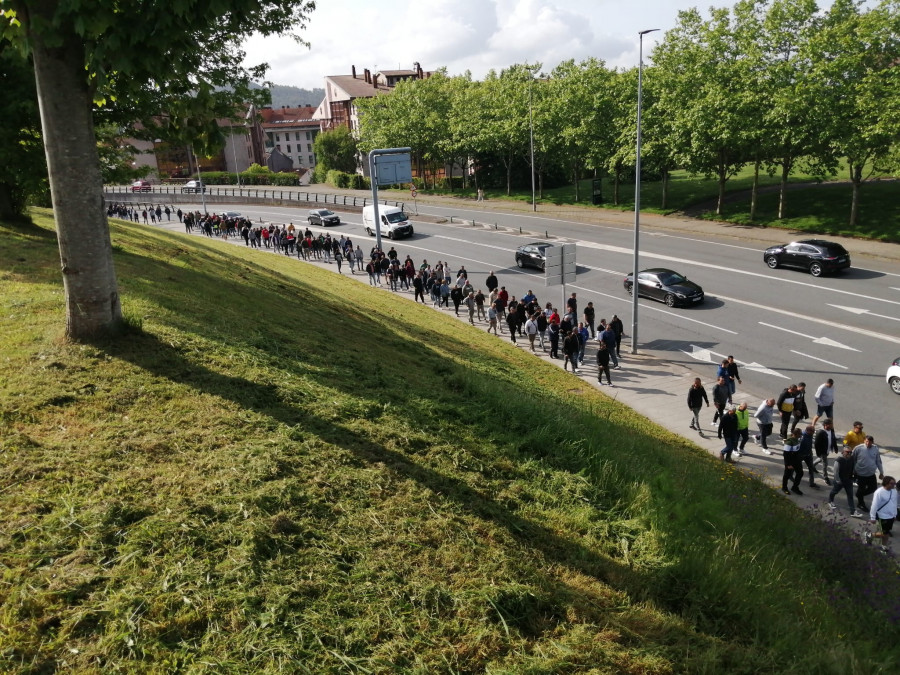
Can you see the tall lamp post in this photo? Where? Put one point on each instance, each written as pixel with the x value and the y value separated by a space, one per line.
pixel 637 197
pixel 531 137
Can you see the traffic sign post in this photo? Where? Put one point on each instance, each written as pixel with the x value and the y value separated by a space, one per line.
pixel 414 193
pixel 560 267
pixel 387 166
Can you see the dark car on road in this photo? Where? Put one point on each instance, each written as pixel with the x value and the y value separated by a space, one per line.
pixel 815 256
pixel 666 286
pixel 141 186
pixel 323 217
pixel 532 255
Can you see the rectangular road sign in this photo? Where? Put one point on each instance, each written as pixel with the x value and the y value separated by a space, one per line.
pixel 560 265
pixel 393 169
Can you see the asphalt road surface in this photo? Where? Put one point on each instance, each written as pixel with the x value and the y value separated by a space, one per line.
pixel 783 326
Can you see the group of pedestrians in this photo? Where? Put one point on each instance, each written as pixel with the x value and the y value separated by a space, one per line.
pixel 855 459
pixel 136 212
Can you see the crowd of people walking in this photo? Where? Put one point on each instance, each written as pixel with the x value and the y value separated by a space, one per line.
pixel 854 458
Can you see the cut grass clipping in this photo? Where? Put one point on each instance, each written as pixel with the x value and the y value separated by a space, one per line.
pixel 283 470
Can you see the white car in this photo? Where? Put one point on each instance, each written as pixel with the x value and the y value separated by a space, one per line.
pixel 893 376
pixel 193 186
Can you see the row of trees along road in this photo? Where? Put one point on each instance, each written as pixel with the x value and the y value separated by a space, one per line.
pixel 160 68
pixel 777 84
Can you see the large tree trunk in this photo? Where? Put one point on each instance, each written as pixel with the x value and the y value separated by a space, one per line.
pixel 89 278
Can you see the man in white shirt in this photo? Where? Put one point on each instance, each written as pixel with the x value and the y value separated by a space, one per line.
pixel 824 401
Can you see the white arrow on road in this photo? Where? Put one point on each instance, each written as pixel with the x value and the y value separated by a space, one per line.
pixel 828 342
pixel 702 354
pixel 856 310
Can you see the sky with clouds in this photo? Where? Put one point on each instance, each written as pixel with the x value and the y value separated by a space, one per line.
pixel 461 35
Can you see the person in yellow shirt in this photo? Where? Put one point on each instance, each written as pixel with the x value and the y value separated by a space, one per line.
pixel 855 436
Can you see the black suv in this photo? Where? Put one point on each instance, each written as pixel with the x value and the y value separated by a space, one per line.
pixel 816 256
pixel 532 255
pixel 323 217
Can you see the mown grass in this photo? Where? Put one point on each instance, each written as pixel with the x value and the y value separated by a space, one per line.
pixel 287 471
pixel 812 206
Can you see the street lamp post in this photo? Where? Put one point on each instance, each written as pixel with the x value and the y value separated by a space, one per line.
pixel 202 187
pixel 637 197
pixel 237 172
pixel 531 137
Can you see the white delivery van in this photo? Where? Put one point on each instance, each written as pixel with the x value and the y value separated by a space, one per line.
pixel 394 222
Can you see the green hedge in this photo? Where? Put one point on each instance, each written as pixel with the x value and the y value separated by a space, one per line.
pixel 283 178
pixel 341 179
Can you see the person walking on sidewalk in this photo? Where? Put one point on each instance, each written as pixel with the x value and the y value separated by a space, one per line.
pixel 793 467
pixel 571 344
pixel 843 480
pixel 785 406
pixel 728 431
pixel 806 454
pixel 743 427
pixel 492 318
pixel 695 399
pixel 553 331
pixel 884 506
pixel 855 436
pixel 470 306
pixel 824 401
pixel 720 400
pixel 603 363
pixel 866 461
pixel 531 330
pixel 512 321
pixel 764 415
pixel 590 318
pixel 734 377
pixel 825 441
pixel 618 328
pixel 801 412
pixel 608 336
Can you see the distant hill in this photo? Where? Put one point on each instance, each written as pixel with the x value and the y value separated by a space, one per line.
pixel 286 95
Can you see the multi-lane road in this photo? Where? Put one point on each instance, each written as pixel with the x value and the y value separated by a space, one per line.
pixel 783 326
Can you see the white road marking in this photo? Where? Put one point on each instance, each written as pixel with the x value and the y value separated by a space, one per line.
pixel 816 358
pixel 702 354
pixel 828 342
pixel 856 310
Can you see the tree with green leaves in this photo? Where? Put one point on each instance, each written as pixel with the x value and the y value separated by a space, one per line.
pixel 794 119
pixel 127 61
pixel 855 74
pixel 336 150
pixel 23 172
pixel 700 67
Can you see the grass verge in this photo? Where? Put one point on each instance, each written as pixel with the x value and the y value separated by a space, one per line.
pixel 284 470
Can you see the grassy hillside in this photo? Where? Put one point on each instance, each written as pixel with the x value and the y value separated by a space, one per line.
pixel 288 471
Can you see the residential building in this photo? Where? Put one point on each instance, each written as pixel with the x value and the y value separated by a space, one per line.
pixel 292 132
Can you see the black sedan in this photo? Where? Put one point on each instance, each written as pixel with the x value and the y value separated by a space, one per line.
pixel 815 256
pixel 532 255
pixel 667 286
pixel 323 217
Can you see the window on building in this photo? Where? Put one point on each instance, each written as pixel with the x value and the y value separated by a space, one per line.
pixel 296 135
pixel 278 147
pixel 288 148
pixel 277 137
pixel 309 147
pixel 312 160
pixel 307 135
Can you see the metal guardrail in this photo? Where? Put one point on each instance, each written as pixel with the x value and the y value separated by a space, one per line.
pixel 298 196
